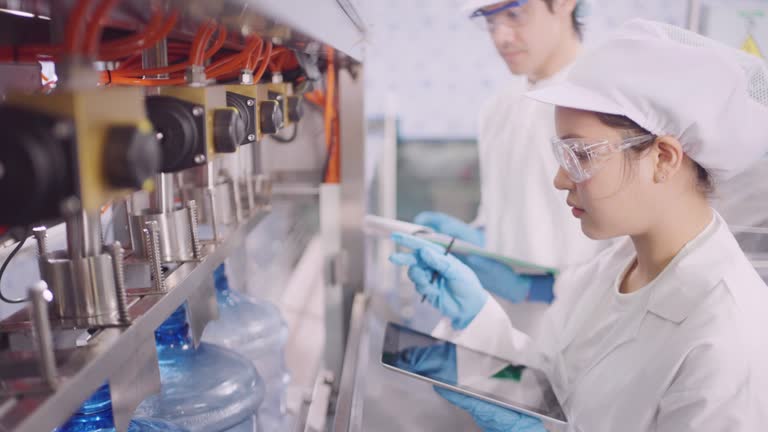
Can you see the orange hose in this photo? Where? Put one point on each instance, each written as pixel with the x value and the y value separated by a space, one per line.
pixel 234 63
pixel 196 53
pixel 222 37
pixel 96 27
pixel 154 24
pixel 172 68
pixel 73 36
pixel 331 122
pixel 264 62
pixel 117 79
pixel 147 39
pixel 254 57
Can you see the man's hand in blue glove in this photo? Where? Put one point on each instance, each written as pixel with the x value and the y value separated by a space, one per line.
pixel 436 361
pixel 490 417
pixel 504 282
pixel 451 226
pixel 456 292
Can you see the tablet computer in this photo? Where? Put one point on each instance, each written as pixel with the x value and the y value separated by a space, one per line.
pixel 514 386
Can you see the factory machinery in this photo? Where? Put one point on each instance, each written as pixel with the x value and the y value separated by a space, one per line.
pixel 153 124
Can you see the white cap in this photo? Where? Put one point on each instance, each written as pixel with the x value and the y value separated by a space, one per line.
pixel 583 7
pixel 671 81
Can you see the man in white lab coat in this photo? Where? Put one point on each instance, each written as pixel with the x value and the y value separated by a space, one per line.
pixel 520 214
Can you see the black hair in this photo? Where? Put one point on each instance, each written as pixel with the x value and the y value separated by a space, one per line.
pixel 629 128
pixel 578 26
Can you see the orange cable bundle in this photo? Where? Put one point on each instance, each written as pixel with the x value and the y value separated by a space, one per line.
pixel 332 136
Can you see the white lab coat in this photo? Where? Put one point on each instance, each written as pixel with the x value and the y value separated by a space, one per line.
pixel 695 358
pixel 524 216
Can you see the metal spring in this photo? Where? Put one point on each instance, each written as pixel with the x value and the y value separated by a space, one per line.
pixel 118 264
pixel 152 246
pixel 193 227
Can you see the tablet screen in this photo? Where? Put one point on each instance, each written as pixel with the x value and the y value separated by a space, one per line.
pixel 514 386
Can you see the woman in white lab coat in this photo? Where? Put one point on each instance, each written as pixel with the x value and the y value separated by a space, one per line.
pixel 665 331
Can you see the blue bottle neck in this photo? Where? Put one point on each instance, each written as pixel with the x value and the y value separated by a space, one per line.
pixel 220 280
pixel 94 414
pixel 172 337
pixel 225 296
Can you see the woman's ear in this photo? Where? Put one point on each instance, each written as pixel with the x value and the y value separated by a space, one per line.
pixel 565 7
pixel 668 158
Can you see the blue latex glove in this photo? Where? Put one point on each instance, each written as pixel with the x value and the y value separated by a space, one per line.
pixel 436 361
pixel 490 417
pixel 504 282
pixel 456 292
pixel 451 226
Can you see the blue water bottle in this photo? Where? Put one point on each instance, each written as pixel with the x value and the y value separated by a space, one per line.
pixel 259 333
pixel 208 389
pixel 95 415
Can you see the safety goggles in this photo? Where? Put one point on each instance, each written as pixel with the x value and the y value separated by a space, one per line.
pixel 514 14
pixel 582 158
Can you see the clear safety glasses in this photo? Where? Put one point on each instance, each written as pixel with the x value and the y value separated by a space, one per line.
pixel 512 14
pixel 581 158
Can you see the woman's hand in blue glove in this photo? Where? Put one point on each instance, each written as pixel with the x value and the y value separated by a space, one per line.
pixel 490 417
pixel 503 281
pixel 451 226
pixel 456 292
pixel 436 361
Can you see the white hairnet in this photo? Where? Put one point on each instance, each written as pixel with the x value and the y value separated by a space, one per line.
pixel 671 81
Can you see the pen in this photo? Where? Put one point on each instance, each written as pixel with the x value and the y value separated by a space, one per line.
pixel 434 273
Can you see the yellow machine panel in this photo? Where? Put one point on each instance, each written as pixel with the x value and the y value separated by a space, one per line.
pixel 89 109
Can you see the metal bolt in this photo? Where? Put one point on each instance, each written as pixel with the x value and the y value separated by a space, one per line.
pixel 198 111
pixel 70 205
pixel 197 250
pixel 152 246
pixel 41 234
pixel 251 137
pixel 199 158
pixel 209 194
pixel 236 200
pixel 118 266
pixel 62 130
pixel 159 136
pixel 251 194
pixel 39 296
pixel 246 77
pixel 250 102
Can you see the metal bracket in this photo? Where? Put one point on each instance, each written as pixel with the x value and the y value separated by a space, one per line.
pixel 202 308
pixel 336 269
pixel 133 383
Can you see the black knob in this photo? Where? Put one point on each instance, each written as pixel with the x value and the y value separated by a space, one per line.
pixel 131 156
pixel 295 108
pixel 38 165
pixel 180 128
pixel 246 109
pixel 270 117
pixel 228 130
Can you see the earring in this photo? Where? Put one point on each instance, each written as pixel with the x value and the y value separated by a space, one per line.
pixel 662 177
